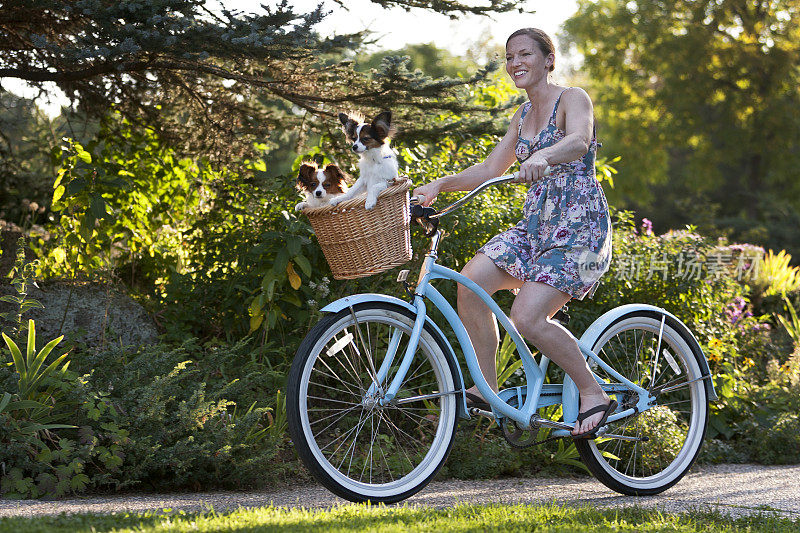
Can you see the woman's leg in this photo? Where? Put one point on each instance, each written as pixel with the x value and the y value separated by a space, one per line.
pixel 531 312
pixel 476 315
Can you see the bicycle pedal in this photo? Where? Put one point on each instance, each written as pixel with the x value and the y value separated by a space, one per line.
pixel 474 411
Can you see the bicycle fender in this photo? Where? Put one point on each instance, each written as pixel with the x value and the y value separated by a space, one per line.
pixel 349 301
pixel 599 325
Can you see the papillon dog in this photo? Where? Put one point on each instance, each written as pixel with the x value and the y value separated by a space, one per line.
pixel 378 163
pixel 319 186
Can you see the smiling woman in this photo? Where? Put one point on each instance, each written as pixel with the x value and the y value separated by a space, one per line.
pixel 565 227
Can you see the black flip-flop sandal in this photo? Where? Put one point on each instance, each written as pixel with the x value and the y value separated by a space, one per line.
pixel 475 401
pixel 605 409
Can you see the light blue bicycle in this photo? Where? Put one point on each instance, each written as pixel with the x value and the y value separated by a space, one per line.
pixel 375 391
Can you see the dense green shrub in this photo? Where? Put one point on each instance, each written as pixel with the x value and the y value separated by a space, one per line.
pixel 159 418
pixel 197 415
pixel 780 443
pixel 123 205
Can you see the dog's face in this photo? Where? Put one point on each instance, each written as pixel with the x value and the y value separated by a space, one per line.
pixel 319 183
pixel 364 135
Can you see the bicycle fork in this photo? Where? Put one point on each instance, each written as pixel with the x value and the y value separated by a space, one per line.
pixel 376 389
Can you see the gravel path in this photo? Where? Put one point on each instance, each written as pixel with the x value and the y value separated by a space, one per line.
pixel 733 489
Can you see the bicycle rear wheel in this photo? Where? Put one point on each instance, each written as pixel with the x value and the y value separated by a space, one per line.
pixel 356 447
pixel 669 434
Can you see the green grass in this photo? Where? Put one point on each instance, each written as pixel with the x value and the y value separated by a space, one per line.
pixel 506 518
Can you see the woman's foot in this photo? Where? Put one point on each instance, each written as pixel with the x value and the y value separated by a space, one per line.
pixel 476 399
pixel 600 405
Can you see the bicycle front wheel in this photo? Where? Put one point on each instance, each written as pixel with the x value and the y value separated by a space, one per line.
pixel 666 438
pixel 356 447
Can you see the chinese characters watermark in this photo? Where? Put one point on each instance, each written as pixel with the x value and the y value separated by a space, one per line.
pixel 687 265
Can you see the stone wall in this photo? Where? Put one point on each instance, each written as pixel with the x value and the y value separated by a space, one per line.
pixel 91 311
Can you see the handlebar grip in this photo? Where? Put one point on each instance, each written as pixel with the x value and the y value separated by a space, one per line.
pixel 547 171
pixel 418 199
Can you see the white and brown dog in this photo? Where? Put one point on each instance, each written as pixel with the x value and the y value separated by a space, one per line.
pixel 378 163
pixel 319 186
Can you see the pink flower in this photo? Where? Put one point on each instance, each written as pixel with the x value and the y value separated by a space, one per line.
pixel 647 226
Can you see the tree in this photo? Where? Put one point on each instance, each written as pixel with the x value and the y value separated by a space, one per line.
pixel 428 58
pixel 215 81
pixel 700 100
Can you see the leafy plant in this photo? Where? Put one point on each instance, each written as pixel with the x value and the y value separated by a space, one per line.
pixel 792 325
pixel 30 368
pixel 7 407
pixel 40 461
pixel 776 275
pixel 505 366
pixel 279 423
pixel 22 278
pixel 605 169
pixel 566 452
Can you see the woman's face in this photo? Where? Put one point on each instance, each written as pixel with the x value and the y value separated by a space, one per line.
pixel 525 62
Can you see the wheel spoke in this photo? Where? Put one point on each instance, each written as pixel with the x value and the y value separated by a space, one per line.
pixel 333 388
pixel 368 355
pixel 340 412
pixel 352 369
pixel 333 375
pixel 332 400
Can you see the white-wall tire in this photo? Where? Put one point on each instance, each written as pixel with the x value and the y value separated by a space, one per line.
pixel 396 449
pixel 675 426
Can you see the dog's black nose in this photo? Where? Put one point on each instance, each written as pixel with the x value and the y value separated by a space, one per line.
pixel 318 193
pixel 355 148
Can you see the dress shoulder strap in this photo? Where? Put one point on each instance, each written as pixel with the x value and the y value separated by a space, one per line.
pixel 525 108
pixel 555 107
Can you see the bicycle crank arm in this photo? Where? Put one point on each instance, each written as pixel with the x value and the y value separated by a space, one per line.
pixel 601 434
pixel 422 397
pixel 536 422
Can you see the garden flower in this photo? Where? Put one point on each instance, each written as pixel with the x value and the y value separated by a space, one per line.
pixel 647 226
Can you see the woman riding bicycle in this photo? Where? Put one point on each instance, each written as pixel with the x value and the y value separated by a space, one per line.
pixel 562 245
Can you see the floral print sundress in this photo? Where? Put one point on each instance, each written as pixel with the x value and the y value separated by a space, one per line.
pixel 564 237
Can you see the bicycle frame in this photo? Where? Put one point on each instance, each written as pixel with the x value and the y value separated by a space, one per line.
pixel 535 373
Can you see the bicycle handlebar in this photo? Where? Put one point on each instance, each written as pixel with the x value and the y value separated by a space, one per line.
pixel 471 194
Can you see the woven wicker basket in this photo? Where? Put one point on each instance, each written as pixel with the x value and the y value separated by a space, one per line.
pixel 358 242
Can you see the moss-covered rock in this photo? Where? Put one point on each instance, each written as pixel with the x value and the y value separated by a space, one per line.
pixel 92 314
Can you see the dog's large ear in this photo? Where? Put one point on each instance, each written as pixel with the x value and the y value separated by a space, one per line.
pixel 305 176
pixel 336 173
pixel 337 177
pixel 348 125
pixel 382 124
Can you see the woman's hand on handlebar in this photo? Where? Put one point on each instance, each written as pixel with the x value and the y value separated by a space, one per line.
pixel 532 169
pixel 429 191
